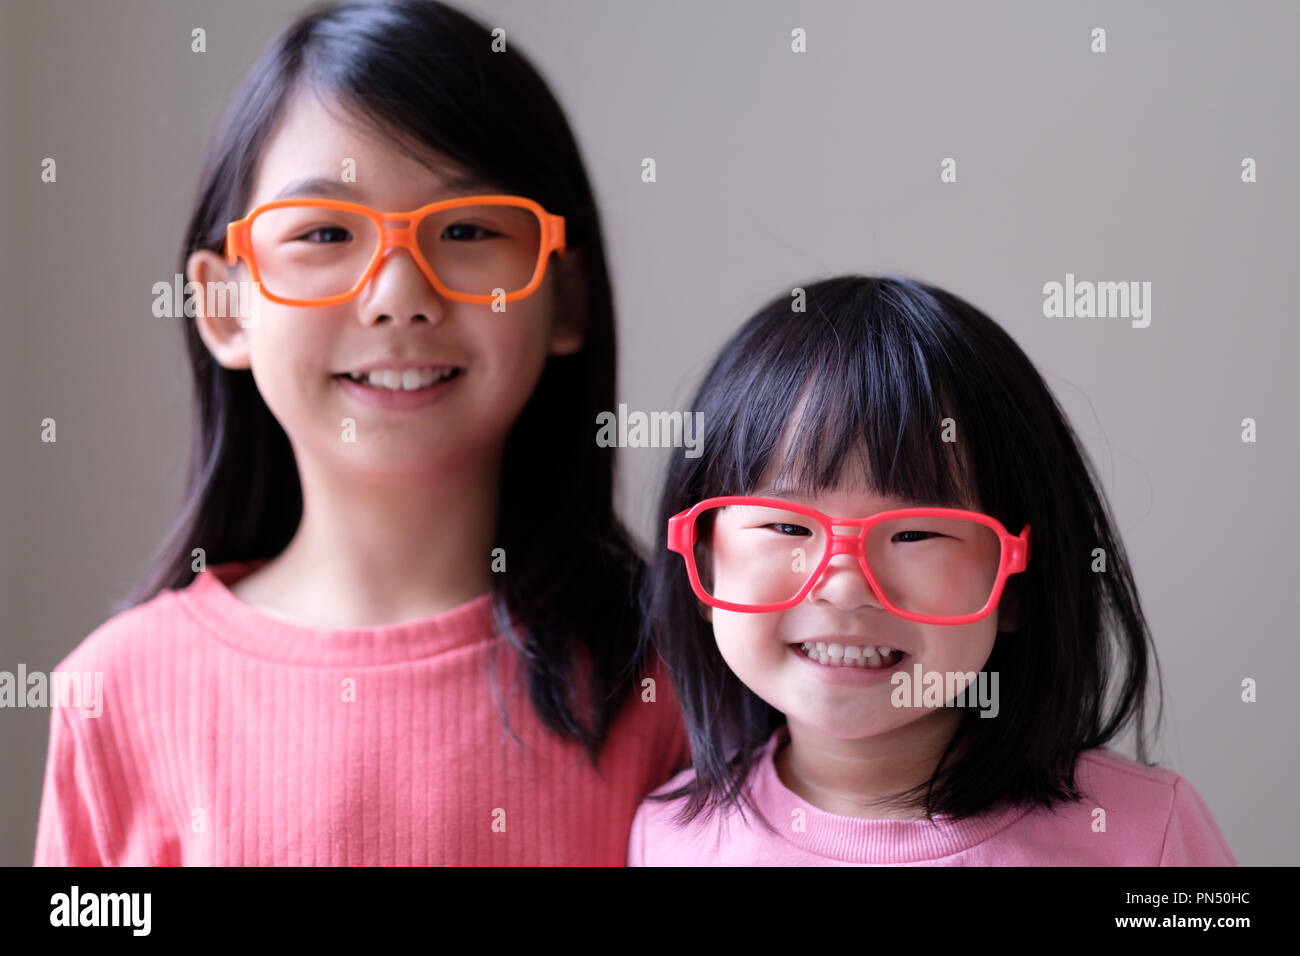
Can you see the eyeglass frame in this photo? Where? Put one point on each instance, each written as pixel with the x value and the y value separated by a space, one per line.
pixel 239 244
pixel 1013 558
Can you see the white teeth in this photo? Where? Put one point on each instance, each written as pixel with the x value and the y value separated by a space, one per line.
pixel 404 380
pixel 850 655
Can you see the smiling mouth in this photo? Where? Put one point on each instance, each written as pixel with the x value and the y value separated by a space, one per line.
pixel 862 656
pixel 408 380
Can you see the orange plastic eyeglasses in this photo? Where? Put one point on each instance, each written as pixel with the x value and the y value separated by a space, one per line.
pixel 478 249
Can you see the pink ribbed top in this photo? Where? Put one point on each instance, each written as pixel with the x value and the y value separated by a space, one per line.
pixel 229 737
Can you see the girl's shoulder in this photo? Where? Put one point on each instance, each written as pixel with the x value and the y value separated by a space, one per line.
pixel 1148 806
pixel 1104 775
pixel 656 837
pixel 122 638
pixel 728 835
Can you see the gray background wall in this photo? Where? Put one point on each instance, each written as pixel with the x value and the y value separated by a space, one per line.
pixel 772 168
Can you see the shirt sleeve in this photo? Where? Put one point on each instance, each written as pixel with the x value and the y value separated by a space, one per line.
pixel 1192 838
pixel 69 830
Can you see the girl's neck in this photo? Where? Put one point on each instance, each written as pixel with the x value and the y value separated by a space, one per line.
pixel 368 554
pixel 853 777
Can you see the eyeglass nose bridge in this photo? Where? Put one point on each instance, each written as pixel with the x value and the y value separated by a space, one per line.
pixel 851 542
pixel 400 233
pixel 845 543
pixel 397 233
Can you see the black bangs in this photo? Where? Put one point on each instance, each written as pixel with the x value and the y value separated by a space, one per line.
pixel 864 382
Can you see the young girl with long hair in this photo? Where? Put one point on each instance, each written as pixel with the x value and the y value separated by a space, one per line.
pixel 395 622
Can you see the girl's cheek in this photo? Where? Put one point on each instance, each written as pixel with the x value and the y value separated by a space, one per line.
pixel 289 367
pixel 520 347
pixel 959 649
pixel 748 643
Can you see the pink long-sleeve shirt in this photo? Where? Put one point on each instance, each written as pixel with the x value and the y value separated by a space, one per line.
pixel 1152 818
pixel 229 737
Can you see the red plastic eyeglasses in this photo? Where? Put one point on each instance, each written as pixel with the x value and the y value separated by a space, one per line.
pixel 931 565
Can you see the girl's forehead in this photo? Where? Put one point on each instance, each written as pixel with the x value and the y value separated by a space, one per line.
pixel 321 149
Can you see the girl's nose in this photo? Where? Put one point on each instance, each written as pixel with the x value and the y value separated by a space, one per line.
pixel 399 291
pixel 844 585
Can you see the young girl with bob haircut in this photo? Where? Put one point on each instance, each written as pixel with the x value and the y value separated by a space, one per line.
pixel 879 593
pixel 396 620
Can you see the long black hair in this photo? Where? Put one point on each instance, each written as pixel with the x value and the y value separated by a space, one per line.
pixel 872 368
pixel 425 73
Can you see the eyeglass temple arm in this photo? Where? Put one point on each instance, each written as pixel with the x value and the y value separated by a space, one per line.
pixel 681 534
pixel 557 234
pixel 1019 548
pixel 235 241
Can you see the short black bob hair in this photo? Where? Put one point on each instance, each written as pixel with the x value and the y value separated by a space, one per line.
pixel 871 367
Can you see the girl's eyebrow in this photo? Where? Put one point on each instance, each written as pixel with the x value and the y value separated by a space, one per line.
pixel 323 186
pixel 775 491
pixel 470 183
pixel 315 185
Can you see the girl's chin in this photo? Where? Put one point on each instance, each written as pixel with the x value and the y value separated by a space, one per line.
pixel 856 727
pixel 390 459
pixel 861 723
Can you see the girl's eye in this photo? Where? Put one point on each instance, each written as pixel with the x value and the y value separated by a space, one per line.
pixel 789 529
pixel 335 234
pixel 462 231
pixel 905 540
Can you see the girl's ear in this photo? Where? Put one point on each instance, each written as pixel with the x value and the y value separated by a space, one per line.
pixel 569 326
pixel 225 335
